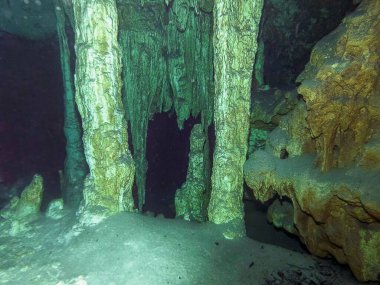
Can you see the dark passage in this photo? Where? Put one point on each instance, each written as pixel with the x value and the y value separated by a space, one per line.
pixel 31 114
pixel 167 155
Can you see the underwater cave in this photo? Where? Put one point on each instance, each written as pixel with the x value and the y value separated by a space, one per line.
pixel 167 155
pixel 139 146
pixel 31 114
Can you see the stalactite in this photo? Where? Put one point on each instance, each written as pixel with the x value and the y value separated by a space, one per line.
pixel 98 96
pixel 236 25
pixel 75 169
pixel 190 60
pixel 166 65
pixel 142 39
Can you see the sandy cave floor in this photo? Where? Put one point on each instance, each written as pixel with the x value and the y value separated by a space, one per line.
pixel 138 249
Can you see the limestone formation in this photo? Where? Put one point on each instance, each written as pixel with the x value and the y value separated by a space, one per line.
pixel 331 173
pixel 55 209
pixel 167 64
pixel 29 203
pixel 98 96
pixel 236 25
pixel 142 39
pixel 191 199
pixel 75 163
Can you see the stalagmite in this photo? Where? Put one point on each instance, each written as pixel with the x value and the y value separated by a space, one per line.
pixel 98 96
pixel 75 163
pixel 191 199
pixel 236 25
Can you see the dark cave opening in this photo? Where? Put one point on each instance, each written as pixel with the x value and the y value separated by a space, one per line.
pixel 290 29
pixel 31 115
pixel 167 155
pixel 259 228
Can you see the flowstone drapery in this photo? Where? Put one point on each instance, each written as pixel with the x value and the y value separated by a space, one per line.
pixel 98 96
pixel 142 40
pixel 167 63
pixel 75 169
pixel 236 26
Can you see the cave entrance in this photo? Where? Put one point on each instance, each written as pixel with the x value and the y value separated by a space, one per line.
pixel 167 155
pixel 31 115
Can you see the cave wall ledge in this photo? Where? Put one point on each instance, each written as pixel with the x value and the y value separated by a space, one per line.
pixel 332 137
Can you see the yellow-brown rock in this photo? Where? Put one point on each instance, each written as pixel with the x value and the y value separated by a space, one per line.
pixel 341 88
pixel 331 172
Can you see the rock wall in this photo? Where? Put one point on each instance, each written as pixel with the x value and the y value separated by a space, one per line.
pixel 332 173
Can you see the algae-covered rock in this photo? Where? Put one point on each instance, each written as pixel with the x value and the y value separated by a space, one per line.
pixel 236 26
pixel 98 97
pixel 191 198
pixel 30 199
pixel 23 209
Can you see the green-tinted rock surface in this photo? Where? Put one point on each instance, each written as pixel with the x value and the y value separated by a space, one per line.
pixel 29 203
pixel 75 169
pixel 98 96
pixel 55 209
pixel 143 42
pixel 167 63
pixel 190 57
pixel 191 198
pixel 236 25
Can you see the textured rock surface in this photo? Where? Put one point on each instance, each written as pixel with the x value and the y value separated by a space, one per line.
pixel 236 25
pixel 167 63
pixel 29 203
pixel 341 88
pixel 54 210
pixel 143 39
pixel 332 172
pixel 76 168
pixel 191 199
pixel 31 19
pixel 98 96
pixel 24 209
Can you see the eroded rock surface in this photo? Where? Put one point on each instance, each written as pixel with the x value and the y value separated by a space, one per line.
pixel 24 209
pixel 331 170
pixel 191 198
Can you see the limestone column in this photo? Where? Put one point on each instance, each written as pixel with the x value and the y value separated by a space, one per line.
pixel 236 26
pixel 98 96
pixel 75 169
